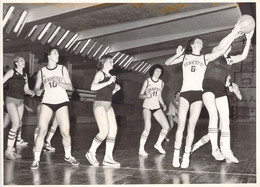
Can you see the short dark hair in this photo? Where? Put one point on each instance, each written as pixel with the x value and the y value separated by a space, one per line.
pixel 48 52
pixel 154 67
pixel 102 60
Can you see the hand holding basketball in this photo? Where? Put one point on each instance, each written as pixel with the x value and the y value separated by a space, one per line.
pixel 246 23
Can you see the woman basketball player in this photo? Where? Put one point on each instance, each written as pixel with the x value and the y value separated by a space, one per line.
pixel 194 66
pixel 215 98
pixel 56 81
pixel 18 85
pixel 105 87
pixel 151 93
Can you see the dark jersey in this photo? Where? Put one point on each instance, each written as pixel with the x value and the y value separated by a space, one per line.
pixel 218 69
pixel 16 85
pixel 105 93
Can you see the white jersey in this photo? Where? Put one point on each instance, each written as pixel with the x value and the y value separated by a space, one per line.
pixel 53 93
pixel 154 89
pixel 193 68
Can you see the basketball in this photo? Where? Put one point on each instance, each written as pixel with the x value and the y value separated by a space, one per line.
pixel 246 23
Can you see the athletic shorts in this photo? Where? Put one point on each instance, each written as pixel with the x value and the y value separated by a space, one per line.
pixel 55 107
pixel 215 87
pixel 192 96
pixel 106 104
pixel 17 102
pixel 153 110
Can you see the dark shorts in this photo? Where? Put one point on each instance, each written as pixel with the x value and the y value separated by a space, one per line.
pixel 153 110
pixel 55 107
pixel 192 96
pixel 215 87
pixel 17 102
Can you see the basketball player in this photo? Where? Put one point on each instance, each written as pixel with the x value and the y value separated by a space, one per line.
pixel 215 97
pixel 230 87
pixel 172 113
pixel 194 66
pixel 56 81
pixel 18 85
pixel 105 86
pixel 151 93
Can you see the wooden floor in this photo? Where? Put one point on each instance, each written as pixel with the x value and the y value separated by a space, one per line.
pixel 155 169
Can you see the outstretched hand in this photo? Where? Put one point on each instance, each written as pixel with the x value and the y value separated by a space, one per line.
pixel 180 50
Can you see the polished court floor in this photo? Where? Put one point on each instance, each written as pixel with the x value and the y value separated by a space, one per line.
pixel 155 169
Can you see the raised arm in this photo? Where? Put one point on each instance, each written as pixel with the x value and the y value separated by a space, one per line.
pixel 177 58
pixel 223 45
pixel 241 57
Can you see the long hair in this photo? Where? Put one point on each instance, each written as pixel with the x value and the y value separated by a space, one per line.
pixel 152 69
pixel 188 49
pixel 102 61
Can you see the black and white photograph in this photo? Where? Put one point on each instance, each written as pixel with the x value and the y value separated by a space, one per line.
pixel 129 93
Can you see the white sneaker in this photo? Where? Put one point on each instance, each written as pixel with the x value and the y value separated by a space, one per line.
pixel 217 155
pixel 142 152
pixel 185 160
pixel 176 159
pixel 21 143
pixel 229 156
pixel 159 148
pixel 91 157
pixel 34 165
pixel 109 161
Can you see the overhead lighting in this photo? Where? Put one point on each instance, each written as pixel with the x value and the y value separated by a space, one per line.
pixel 115 55
pixel 71 40
pixel 139 66
pixel 85 45
pixel 97 50
pixel 20 21
pixel 76 46
pixel 63 37
pixel 148 67
pixel 105 52
pixel 123 60
pixel 44 31
pixel 119 58
pixel 24 21
pixel 31 31
pixel 142 67
pixel 128 62
pixel 7 16
pixel 91 48
pixel 135 65
pixel 54 34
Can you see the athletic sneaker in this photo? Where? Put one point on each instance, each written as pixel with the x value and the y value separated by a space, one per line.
pixel 218 155
pixel 159 148
pixel 48 147
pixel 229 156
pixel 185 160
pixel 72 160
pixel 109 161
pixel 10 155
pixel 91 157
pixel 34 165
pixel 142 152
pixel 17 155
pixel 21 142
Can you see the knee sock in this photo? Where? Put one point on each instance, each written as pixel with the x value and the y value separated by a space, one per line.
pixel 11 139
pixel 213 135
pixel 225 141
pixel 95 144
pixel 143 139
pixel 201 142
pixel 110 143
pixel 161 137
pixel 50 135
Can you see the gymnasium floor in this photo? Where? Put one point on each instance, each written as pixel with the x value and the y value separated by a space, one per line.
pixel 155 169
